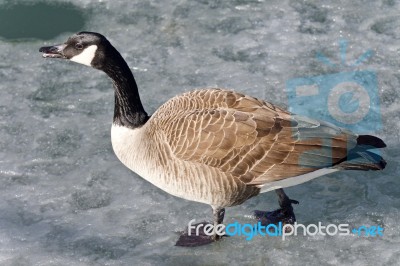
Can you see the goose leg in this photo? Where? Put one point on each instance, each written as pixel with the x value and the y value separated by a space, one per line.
pixel 285 214
pixel 195 234
pixel 218 214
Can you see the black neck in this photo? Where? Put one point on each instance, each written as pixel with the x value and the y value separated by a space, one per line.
pixel 128 110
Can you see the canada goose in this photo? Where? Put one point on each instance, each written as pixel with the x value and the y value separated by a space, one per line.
pixel 217 146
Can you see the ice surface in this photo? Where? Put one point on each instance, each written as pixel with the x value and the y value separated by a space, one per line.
pixel 65 199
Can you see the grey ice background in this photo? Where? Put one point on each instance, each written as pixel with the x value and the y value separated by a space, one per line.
pixel 65 199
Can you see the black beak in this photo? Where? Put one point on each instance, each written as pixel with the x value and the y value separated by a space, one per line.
pixel 55 51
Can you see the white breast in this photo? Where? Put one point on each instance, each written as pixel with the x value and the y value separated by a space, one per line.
pixel 144 156
pixel 130 148
pixel 150 159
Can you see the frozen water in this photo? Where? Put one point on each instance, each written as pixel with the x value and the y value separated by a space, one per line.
pixel 65 198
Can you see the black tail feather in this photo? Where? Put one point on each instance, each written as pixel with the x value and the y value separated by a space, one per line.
pixel 372 141
pixel 359 158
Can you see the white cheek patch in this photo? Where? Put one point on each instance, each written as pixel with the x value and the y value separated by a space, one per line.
pixel 86 56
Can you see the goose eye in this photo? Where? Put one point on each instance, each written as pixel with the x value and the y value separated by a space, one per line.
pixel 78 46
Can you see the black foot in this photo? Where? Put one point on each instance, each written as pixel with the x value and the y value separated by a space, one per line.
pixel 196 238
pixel 285 214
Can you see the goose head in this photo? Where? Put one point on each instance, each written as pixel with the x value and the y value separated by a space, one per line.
pixel 93 49
pixel 87 48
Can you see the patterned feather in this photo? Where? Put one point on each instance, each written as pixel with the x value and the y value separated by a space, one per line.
pixel 247 138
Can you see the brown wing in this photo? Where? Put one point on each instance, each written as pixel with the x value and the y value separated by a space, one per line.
pixel 251 139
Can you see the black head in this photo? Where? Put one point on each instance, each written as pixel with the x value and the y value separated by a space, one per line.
pixel 93 49
pixel 88 48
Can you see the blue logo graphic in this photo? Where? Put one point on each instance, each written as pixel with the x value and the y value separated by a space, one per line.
pixel 368 231
pixel 348 103
pixel 347 99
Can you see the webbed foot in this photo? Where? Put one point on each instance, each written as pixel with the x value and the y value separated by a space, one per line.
pixel 285 214
pixel 195 237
